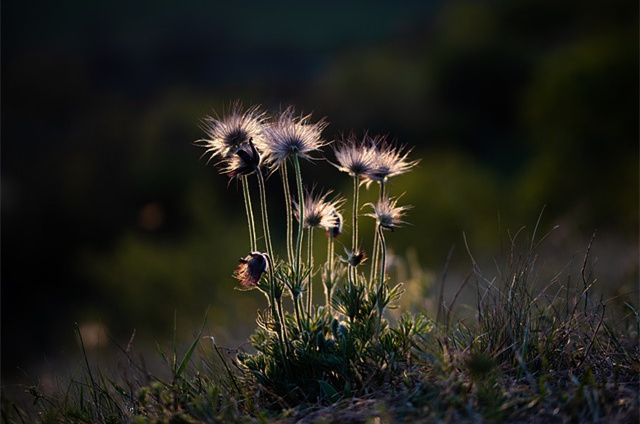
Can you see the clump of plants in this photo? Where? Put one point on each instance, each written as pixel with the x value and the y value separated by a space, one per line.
pixel 342 345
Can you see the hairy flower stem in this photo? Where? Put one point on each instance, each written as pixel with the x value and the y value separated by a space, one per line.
pixel 328 283
pixel 265 217
pixel 383 264
pixel 375 253
pixel 356 195
pixel 249 210
pixel 383 255
pixel 296 166
pixel 354 220
pixel 275 303
pixel 310 265
pixel 296 311
pixel 289 210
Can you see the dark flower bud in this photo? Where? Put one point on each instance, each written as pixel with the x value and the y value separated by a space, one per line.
pixel 335 230
pixel 251 269
pixel 354 258
pixel 246 161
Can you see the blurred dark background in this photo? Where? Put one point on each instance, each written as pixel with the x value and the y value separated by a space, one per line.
pixel 111 219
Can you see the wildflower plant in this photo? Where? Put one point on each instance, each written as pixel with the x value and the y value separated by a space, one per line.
pixel 313 351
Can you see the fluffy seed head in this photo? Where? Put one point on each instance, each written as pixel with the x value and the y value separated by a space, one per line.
pixel 251 268
pixel 288 135
pixel 226 134
pixel 354 156
pixel 320 212
pixel 387 214
pixel 389 160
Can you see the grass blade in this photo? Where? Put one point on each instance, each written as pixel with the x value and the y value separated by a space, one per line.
pixel 187 356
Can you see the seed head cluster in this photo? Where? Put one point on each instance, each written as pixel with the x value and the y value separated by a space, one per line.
pixel 244 140
pixel 372 158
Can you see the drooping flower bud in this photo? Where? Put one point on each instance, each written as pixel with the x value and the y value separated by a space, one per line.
pixel 251 269
pixel 336 229
pixel 245 161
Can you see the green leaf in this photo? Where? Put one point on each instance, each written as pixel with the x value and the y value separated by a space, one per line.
pixel 347 390
pixel 328 390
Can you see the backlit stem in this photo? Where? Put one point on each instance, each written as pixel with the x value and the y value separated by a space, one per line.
pixel 265 217
pixel 296 165
pixel 289 210
pixel 375 252
pixel 249 211
pixel 310 267
pixel 328 284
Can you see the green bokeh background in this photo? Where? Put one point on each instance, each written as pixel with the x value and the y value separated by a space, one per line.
pixel 111 216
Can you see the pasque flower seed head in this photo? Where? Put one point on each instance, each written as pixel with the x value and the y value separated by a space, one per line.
pixel 226 134
pixel 387 214
pixel 354 156
pixel 290 135
pixel 389 160
pixel 318 211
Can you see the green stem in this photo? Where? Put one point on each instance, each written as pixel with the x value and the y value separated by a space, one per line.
pixel 296 311
pixel 376 242
pixel 310 265
pixel 374 259
pixel 383 257
pixel 275 312
pixel 383 264
pixel 296 165
pixel 249 211
pixel 354 226
pixel 356 195
pixel 282 323
pixel 289 210
pixel 265 217
pixel 328 285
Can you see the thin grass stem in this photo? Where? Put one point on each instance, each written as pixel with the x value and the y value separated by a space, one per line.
pixel 226 366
